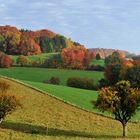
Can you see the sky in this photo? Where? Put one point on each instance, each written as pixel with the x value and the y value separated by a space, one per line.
pixel 93 23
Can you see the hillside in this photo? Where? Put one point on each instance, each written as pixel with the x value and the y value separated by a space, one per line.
pixel 41 112
pixel 104 52
pixel 41 74
pixel 26 42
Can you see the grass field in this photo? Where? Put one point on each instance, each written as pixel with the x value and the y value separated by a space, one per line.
pixel 97 62
pixel 42 57
pixel 78 97
pixel 41 74
pixel 45 118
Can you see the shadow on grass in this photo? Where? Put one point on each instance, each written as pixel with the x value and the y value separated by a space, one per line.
pixel 40 130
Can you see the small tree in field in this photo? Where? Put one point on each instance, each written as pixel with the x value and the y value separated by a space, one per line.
pixel 122 100
pixel 98 57
pixel 8 102
pixel 6 61
pixel 23 60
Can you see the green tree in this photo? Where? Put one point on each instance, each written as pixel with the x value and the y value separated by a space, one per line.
pixel 114 58
pixel 98 57
pixel 133 75
pixel 112 74
pixel 122 100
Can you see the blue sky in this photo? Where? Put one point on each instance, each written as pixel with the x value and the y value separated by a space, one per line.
pixel 94 23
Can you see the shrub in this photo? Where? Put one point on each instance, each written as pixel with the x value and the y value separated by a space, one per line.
pixel 23 60
pixel 84 83
pixel 53 80
pixel 4 86
pixel 5 61
pixel 8 103
pixel 37 63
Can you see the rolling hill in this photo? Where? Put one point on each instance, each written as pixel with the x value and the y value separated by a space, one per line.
pixel 45 118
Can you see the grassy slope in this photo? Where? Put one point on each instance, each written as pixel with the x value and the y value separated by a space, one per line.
pixel 42 56
pixel 64 121
pixel 78 97
pixel 40 74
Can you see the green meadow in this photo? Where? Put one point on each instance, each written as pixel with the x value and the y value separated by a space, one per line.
pixel 41 74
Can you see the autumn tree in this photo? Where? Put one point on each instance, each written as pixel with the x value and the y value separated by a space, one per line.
pixel 9 42
pixel 8 102
pixel 23 60
pixel 75 57
pixel 28 46
pixel 5 60
pixel 122 100
pixel 115 69
pixel 115 57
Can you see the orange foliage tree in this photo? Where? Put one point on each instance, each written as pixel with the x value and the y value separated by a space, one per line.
pixel 121 100
pixel 8 102
pixel 75 57
pixel 23 60
pixel 28 46
pixel 5 61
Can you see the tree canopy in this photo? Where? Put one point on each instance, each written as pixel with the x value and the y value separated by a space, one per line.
pixel 121 100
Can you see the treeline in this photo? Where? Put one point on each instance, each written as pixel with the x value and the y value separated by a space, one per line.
pixel 103 52
pixel 27 42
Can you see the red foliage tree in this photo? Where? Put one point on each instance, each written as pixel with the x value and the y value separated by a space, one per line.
pixel 5 61
pixel 75 57
pixel 28 46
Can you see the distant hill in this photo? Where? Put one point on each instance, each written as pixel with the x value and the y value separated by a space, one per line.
pixel 104 52
pixel 16 41
pixel 27 42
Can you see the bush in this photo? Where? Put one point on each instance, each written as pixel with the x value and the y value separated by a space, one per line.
pixel 23 60
pixel 84 83
pixel 96 68
pixel 8 103
pixel 53 80
pixel 5 61
pixel 4 86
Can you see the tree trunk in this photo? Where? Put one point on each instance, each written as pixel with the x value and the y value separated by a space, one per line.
pixel 124 129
